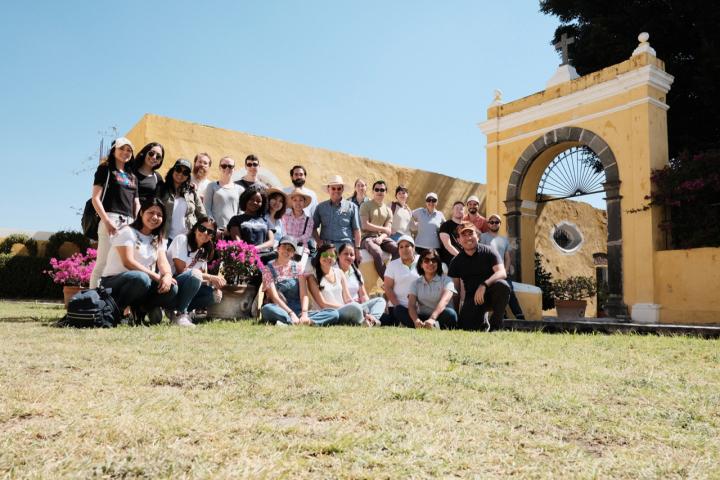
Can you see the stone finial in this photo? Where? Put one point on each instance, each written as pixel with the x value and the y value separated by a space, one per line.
pixel 644 46
pixel 497 98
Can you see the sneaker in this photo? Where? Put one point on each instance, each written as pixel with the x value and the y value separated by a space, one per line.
pixel 183 320
pixel 155 316
pixel 281 324
pixel 486 322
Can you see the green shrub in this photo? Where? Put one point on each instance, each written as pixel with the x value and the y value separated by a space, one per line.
pixel 10 240
pixel 24 277
pixel 58 238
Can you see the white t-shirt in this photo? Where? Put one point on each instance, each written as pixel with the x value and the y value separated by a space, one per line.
pixel 178 217
pixel 403 276
pixel 352 283
pixel 179 249
pixel 200 186
pixel 331 292
pixel 142 249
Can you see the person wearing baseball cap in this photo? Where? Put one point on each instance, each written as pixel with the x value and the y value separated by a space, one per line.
pixel 473 214
pixel 480 269
pixel 428 220
pixel 336 220
pixel 400 274
pixel 114 198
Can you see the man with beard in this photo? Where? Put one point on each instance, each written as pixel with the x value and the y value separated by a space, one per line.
pixel 473 206
pixel 449 244
pixel 199 177
pixel 500 243
pixel 298 176
pixel 479 268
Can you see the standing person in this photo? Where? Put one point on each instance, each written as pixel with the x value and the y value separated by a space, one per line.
pixel 449 244
pixel 328 287
pixel 285 288
pixel 296 222
pixel 430 295
pixel 115 198
pixel 336 220
pixel 402 222
pixel 145 167
pixel 298 176
pixel 137 269
pixel 473 214
pixel 493 238
pixel 373 308
pixel 399 277
pixel 481 271
pixel 359 196
pixel 182 204
pixel 199 177
pixel 252 164
pixel 252 226
pixel 222 198
pixel 428 220
pixel 277 204
pixel 189 256
pixel 376 221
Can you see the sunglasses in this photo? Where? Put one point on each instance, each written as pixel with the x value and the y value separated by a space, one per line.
pixel 204 229
pixel 330 255
pixel 337 189
pixel 226 166
pixel 431 200
pixel 252 164
pixel 430 260
pixel 380 190
pixel 494 222
pixel 154 154
pixel 182 170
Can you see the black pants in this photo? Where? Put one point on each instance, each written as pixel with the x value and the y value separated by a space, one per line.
pixel 496 299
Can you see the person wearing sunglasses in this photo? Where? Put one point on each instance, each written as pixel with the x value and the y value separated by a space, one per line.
pixel 182 204
pixel 328 287
pixel 376 220
pixel 500 242
pixel 252 165
pixel 145 167
pixel 336 220
pixel 429 297
pixel 115 199
pixel 189 256
pixel 222 197
pixel 428 220
pixel 200 172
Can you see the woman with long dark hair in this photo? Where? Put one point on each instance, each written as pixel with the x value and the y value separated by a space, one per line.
pixel 145 167
pixel 328 287
pixel 115 198
pixel 373 308
pixel 137 269
pixel 189 256
pixel 182 203
pixel 277 204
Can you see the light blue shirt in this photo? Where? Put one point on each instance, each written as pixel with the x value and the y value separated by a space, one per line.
pixel 428 294
pixel 337 222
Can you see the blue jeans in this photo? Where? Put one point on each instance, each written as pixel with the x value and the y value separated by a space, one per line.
pixel 135 288
pixel 350 314
pixel 272 313
pixel 375 307
pixel 192 294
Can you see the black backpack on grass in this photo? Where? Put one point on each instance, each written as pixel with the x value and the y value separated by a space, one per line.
pixel 91 309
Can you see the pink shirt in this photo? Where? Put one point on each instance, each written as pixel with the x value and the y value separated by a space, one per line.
pixel 294 227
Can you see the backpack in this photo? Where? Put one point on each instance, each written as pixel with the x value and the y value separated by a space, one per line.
pixel 91 309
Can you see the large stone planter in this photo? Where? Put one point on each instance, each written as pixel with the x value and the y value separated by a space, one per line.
pixel 570 310
pixel 236 302
pixel 69 291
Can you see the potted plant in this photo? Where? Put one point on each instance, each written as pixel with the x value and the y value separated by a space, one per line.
pixel 239 263
pixel 73 273
pixel 570 295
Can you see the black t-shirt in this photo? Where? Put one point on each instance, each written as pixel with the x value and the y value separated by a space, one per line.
pixel 253 229
pixel 122 189
pixel 449 227
pixel 148 186
pixel 475 269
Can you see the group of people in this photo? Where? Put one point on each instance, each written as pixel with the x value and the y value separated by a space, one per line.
pixel 157 235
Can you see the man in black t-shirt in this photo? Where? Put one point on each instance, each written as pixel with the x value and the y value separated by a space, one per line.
pixel 481 270
pixel 449 244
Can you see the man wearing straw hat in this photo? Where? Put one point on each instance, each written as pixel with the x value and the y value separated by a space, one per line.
pixel 336 220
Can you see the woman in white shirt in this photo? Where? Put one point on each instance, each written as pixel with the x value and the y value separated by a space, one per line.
pixel 373 308
pixel 189 256
pixel 328 287
pixel 137 269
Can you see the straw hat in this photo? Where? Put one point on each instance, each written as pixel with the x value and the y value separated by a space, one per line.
pixel 300 192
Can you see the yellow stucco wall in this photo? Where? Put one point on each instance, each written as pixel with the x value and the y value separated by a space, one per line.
pixel 186 139
pixel 687 282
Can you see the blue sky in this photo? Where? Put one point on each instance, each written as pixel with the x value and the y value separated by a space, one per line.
pixel 398 81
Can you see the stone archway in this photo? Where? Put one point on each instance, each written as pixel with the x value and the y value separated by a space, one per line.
pixel 518 205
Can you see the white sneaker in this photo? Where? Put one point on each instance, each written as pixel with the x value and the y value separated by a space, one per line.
pixel 183 320
pixel 486 322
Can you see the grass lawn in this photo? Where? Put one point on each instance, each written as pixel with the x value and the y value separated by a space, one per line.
pixel 242 400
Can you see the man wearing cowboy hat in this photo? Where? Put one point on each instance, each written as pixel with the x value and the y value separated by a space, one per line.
pixel 336 220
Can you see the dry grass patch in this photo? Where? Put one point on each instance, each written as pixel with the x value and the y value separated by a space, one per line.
pixel 241 400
